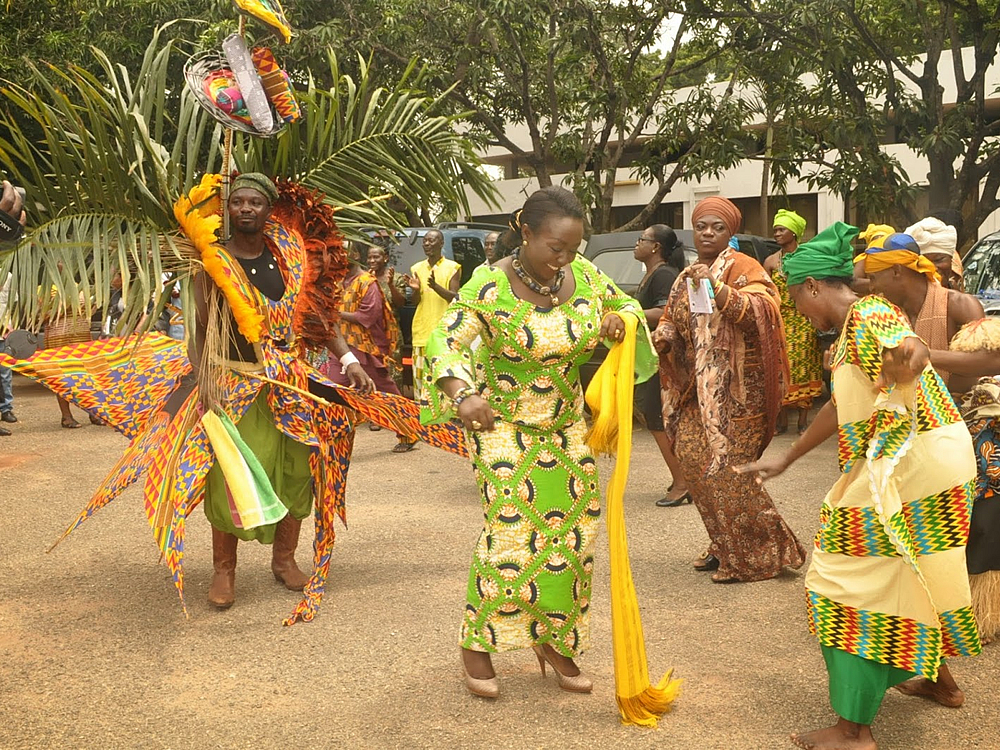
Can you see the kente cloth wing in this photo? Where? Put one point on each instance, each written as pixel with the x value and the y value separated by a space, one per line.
pixel 121 381
pixel 138 386
pixel 388 410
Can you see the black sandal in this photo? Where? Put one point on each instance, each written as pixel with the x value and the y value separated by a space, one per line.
pixel 666 502
pixel 706 563
pixel 404 446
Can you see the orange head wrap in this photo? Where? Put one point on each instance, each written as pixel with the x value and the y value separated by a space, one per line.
pixel 724 208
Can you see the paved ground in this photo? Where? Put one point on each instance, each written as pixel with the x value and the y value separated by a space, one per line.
pixel 95 652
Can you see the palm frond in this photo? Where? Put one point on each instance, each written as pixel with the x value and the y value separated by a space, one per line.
pixel 79 142
pixel 102 162
pixel 65 268
pixel 358 141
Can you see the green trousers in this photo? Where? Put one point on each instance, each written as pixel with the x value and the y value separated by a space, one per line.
pixel 285 462
pixel 858 685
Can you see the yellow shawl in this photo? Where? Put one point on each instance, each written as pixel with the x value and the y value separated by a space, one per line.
pixel 609 397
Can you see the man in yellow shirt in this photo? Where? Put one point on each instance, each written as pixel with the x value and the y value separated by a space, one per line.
pixel 435 283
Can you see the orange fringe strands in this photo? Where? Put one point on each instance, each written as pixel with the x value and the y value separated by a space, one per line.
pixel 303 212
pixel 609 397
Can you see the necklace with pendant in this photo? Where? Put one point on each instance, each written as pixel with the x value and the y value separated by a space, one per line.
pixel 551 291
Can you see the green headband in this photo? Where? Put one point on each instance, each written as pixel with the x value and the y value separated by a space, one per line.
pixel 828 254
pixel 790 221
pixel 259 182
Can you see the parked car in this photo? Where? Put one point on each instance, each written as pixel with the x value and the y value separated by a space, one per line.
pixel 982 272
pixel 612 253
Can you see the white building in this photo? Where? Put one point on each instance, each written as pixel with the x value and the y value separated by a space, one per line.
pixel 740 184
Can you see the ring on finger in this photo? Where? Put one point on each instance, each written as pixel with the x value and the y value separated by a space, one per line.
pixel 476 424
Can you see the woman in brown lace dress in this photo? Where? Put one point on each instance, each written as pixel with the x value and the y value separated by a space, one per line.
pixel 724 375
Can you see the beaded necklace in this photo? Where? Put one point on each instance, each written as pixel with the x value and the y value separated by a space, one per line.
pixel 551 291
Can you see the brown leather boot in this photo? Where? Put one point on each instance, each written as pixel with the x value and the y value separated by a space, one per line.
pixel 286 539
pixel 221 593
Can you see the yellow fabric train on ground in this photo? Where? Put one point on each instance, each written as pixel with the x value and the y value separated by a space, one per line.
pixel 609 397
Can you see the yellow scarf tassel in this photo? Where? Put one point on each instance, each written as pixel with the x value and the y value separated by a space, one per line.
pixel 609 397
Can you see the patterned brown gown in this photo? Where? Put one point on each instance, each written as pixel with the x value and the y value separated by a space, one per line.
pixel 724 378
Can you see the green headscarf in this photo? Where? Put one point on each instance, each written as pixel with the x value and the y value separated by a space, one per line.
pixel 828 254
pixel 259 182
pixel 790 221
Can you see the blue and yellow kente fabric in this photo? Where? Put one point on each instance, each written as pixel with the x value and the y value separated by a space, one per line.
pixel 888 579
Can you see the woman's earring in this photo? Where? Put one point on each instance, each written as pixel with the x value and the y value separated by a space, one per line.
pixel 815 293
pixel 524 243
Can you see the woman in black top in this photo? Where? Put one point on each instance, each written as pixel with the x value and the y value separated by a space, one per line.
pixel 663 255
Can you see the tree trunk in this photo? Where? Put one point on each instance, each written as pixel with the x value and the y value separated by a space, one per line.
pixel 765 179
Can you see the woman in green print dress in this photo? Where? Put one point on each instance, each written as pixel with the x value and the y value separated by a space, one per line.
pixel 539 314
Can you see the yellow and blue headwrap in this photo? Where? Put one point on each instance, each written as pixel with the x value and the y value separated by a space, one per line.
pixel 897 249
pixel 874 232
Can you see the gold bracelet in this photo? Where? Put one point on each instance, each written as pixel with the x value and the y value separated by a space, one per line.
pixel 729 297
pixel 746 305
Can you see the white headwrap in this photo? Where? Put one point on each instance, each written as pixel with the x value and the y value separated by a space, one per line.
pixel 934 237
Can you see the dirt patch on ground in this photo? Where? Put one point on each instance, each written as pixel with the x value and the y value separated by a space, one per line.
pixel 10 460
pixel 95 651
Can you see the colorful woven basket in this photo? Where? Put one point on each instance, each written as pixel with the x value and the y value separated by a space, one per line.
pixel 213 84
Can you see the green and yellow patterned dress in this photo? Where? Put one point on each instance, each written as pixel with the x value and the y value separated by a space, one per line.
pixel 805 359
pixel 530 581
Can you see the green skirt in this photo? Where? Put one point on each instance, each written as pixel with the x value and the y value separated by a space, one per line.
pixel 858 685
pixel 286 463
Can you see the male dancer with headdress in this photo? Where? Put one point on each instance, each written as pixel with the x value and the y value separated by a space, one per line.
pixel 251 429
pixel 271 261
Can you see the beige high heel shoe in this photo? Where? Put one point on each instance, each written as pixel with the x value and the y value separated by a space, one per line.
pixel 483 688
pixel 576 684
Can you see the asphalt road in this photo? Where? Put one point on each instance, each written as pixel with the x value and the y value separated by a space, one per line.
pixel 96 653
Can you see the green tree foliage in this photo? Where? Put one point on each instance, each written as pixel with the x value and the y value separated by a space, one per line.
pixel 588 81
pixel 61 32
pixel 876 74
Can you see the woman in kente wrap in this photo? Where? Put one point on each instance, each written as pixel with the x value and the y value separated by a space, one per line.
pixel 539 314
pixel 724 375
pixel 805 361
pixel 370 330
pixel 888 595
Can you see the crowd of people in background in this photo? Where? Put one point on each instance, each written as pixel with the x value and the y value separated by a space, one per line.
pixel 727 350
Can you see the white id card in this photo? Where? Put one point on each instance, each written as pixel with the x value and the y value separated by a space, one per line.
pixel 701 297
